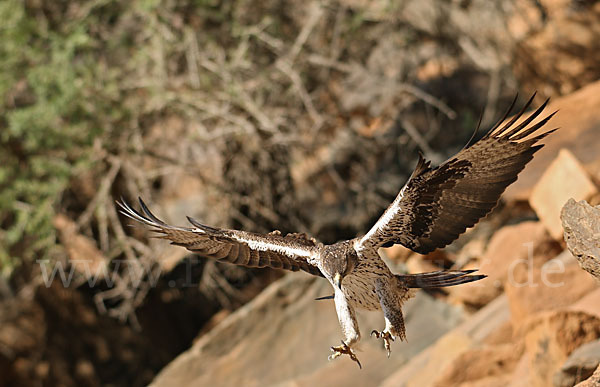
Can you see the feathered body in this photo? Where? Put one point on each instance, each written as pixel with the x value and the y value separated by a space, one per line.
pixel 434 207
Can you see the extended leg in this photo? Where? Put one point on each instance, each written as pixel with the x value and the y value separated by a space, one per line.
pixel 349 325
pixel 391 297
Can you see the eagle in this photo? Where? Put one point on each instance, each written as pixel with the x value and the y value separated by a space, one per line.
pixel 434 207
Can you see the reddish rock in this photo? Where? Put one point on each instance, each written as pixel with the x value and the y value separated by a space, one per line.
pixel 472 251
pixel 398 253
pixel 490 381
pixel 557 283
pixel 481 363
pixel 423 369
pixel 551 337
pixel 416 264
pixel 435 260
pixel 508 248
pixel 440 258
pixel 520 376
pixel 579 133
pixel 502 335
pixel 565 178
pixel 589 303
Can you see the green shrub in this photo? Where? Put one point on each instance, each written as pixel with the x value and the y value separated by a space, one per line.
pixel 53 108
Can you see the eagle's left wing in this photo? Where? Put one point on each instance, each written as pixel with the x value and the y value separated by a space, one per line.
pixel 438 204
pixel 290 252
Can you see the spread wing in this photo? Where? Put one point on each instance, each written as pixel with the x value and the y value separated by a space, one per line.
pixel 438 204
pixel 291 252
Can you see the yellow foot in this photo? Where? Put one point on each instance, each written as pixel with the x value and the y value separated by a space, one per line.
pixel 344 349
pixel 386 336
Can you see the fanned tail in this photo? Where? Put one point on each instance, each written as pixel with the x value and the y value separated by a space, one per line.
pixel 439 279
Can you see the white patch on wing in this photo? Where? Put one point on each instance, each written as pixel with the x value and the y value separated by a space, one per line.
pixel 389 213
pixel 266 246
pixel 198 231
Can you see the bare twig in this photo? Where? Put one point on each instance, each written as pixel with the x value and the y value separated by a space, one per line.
pixel 485 59
pixel 102 225
pixel 315 12
pixel 247 103
pixel 213 283
pixel 115 291
pixel 118 230
pixel 428 98
pixel 275 44
pixel 329 62
pixel 285 68
pixel 192 54
pixel 102 193
pixel 420 141
pixel 335 47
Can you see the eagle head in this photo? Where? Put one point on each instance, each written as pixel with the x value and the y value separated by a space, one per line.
pixel 339 260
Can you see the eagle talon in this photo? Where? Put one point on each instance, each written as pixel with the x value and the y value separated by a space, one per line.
pixel 386 336
pixel 344 349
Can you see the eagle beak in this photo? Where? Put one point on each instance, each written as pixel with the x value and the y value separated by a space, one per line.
pixel 337 280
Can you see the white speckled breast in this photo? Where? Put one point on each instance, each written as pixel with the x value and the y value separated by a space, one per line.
pixel 359 286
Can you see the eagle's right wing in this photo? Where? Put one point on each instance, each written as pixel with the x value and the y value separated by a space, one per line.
pixel 438 204
pixel 291 252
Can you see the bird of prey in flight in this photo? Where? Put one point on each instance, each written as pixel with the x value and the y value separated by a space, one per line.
pixel 433 208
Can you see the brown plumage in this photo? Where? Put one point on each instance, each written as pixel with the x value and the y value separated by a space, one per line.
pixel 233 246
pixel 438 204
pixel 434 207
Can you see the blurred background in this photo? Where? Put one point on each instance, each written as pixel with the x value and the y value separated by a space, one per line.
pixel 297 116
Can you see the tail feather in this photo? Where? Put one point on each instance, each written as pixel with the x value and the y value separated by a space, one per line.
pixel 439 279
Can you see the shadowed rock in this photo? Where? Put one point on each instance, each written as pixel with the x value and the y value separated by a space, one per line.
pixel 579 366
pixel 282 337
